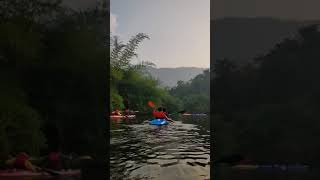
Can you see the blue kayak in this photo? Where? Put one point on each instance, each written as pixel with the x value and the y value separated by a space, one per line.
pixel 158 122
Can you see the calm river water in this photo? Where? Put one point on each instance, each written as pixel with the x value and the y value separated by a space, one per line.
pixel 180 150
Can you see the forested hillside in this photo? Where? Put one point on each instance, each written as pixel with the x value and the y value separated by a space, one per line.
pixel 242 39
pixel 169 77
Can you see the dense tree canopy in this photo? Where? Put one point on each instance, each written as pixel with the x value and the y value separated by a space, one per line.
pixel 194 94
pixel 130 82
pixel 53 74
pixel 268 109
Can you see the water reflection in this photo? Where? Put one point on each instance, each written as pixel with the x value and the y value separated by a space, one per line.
pixel 177 151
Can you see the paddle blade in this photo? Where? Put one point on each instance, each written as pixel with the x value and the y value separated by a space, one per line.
pixel 151 104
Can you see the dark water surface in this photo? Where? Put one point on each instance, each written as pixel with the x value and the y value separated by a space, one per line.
pixel 178 151
pixel 231 174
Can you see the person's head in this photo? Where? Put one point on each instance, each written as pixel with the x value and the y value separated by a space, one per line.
pixel 160 109
pixel 164 109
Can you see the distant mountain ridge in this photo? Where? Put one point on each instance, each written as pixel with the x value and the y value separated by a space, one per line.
pixel 170 76
pixel 237 39
pixel 242 39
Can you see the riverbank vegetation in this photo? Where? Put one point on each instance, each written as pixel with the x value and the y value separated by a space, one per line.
pixel 195 93
pixel 53 78
pixel 268 109
pixel 53 71
pixel 131 84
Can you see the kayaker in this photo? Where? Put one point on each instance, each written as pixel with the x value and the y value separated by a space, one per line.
pixel 164 110
pixel 116 112
pixel 160 114
pixel 21 161
pixel 126 110
pixel 156 113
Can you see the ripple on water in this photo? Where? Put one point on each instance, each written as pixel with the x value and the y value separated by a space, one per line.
pixel 178 151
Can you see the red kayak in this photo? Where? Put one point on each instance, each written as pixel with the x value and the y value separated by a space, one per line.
pixel 24 173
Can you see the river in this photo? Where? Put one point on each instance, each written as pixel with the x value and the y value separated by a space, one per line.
pixel 180 150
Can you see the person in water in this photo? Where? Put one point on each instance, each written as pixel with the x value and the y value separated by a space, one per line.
pixel 126 111
pixel 160 114
pixel 22 161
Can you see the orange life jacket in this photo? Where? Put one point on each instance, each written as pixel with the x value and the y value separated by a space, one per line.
pixel 158 115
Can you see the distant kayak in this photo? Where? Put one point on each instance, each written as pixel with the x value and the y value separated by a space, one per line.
pixel 122 116
pixel 196 114
pixel 24 174
pixel 291 168
pixel 158 122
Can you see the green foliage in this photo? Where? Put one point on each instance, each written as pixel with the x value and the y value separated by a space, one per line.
pixel 197 103
pixel 129 81
pixel 20 126
pixel 140 89
pixel 195 94
pixel 122 54
pixel 172 103
pixel 53 62
pixel 270 105
pixel 30 10
pixel 116 100
pixel 21 42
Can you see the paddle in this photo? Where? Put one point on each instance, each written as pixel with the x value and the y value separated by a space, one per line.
pixel 151 104
pixel 179 112
pixel 195 114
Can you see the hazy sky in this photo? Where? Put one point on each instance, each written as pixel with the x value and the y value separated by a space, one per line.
pixel 179 30
pixel 284 9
